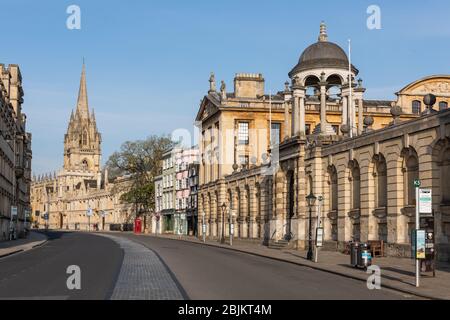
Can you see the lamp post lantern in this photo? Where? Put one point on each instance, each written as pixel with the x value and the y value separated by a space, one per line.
pixel 222 238
pixel 311 200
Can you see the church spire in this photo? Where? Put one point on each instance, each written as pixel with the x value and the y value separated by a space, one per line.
pixel 82 105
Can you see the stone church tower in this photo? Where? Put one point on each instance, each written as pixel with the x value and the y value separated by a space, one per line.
pixel 82 151
pixel 81 186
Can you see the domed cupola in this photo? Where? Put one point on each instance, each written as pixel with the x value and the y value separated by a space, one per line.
pixel 322 54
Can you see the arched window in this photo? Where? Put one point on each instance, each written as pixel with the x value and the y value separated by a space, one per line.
pixel 84 139
pixel 356 186
pixel 381 183
pixel 445 176
pixel 443 105
pixel 416 107
pixel 412 172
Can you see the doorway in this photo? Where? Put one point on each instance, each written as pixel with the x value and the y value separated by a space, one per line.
pixel 61 221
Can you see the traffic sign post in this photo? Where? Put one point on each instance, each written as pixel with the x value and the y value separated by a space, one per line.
pixel 89 215
pixel 417 184
pixel 204 228
pixel 319 230
pixel 424 208
pixel 231 227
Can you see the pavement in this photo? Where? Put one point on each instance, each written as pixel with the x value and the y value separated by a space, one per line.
pixel 143 276
pixel 34 239
pixel 397 273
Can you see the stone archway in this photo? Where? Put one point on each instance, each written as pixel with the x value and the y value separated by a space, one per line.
pixel 441 196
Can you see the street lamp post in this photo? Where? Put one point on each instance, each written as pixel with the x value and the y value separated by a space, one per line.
pixel 319 226
pixel 204 227
pixel 158 218
pixel 311 200
pixel 231 217
pixel 222 238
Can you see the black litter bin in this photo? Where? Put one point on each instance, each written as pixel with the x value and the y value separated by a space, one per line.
pixel 364 256
pixel 354 249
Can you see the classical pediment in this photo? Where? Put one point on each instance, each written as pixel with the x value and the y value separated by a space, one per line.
pixel 209 110
pixel 208 107
pixel 437 85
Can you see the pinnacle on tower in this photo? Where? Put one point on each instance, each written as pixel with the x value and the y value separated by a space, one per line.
pixel 323 36
pixel 82 104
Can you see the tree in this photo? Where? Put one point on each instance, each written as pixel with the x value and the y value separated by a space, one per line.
pixel 140 162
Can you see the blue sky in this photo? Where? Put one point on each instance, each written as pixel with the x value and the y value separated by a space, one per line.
pixel 148 62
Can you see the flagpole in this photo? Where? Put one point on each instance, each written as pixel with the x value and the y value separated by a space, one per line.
pixel 350 103
pixel 270 117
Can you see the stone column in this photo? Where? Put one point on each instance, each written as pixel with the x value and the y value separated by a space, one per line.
pixel 344 110
pixel 287 131
pixel 207 215
pixel 278 205
pixel 263 199
pixel 396 221
pixel 301 210
pixel 294 118
pixel 245 213
pixel 299 97
pixel 369 224
pixel 253 213
pixel 302 116
pixel 351 114
pixel 238 211
pixel 360 116
pixel 200 215
pixel 323 107
pixel 344 205
pixel 213 224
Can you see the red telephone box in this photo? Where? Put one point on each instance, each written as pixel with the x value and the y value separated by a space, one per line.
pixel 138 226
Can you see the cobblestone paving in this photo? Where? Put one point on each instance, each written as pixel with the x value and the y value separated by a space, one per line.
pixel 143 276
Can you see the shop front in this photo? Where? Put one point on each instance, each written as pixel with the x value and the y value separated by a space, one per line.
pixel 180 224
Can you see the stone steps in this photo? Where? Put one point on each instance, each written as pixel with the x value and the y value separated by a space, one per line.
pixel 279 245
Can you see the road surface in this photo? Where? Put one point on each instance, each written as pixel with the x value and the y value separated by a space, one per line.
pixel 125 266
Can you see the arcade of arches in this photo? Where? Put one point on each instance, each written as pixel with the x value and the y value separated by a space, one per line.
pixel 361 155
pixel 367 184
